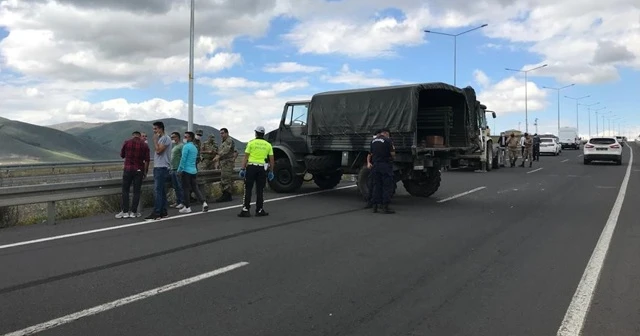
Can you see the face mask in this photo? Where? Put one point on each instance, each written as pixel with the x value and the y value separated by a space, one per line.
pixel 198 137
pixel 184 140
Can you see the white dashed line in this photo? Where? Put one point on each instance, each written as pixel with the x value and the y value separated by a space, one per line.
pixel 121 302
pixel 565 160
pixel 461 194
pixel 576 315
pixel 535 170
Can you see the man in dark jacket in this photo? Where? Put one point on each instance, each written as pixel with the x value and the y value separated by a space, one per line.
pixel 536 147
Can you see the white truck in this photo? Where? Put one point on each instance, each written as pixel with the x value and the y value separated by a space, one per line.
pixel 569 138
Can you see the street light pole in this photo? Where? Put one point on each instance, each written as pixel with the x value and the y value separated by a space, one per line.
pixel 455 46
pixel 558 91
pixel 191 61
pixel 577 114
pixel 596 111
pixel 589 112
pixel 526 108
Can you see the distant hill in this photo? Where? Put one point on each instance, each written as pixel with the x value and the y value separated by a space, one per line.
pixel 26 143
pixel 113 134
pixel 75 127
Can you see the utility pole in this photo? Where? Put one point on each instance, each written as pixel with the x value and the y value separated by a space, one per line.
pixel 191 61
pixel 526 109
pixel 536 125
pixel 558 91
pixel 455 46
pixel 577 113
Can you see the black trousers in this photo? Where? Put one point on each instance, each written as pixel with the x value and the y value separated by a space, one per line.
pixel 536 152
pixel 255 175
pixel 130 177
pixel 190 183
pixel 383 183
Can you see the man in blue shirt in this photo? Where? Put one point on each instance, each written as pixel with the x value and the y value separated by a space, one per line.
pixel 382 155
pixel 189 172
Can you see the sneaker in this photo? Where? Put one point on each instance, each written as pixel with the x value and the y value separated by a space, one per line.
pixel 244 213
pixel 205 207
pixel 122 215
pixel 180 206
pixel 164 214
pixel 185 210
pixel 174 205
pixel 131 215
pixel 261 213
pixel 138 214
pixel 153 216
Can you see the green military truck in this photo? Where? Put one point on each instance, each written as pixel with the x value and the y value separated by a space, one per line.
pixel 330 135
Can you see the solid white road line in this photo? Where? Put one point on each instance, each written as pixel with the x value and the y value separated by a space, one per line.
pixel 565 160
pixel 535 170
pixel 577 312
pixel 82 233
pixel 460 195
pixel 121 302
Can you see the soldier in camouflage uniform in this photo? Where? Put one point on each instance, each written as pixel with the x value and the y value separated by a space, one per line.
pixel 198 143
pixel 209 152
pixel 226 156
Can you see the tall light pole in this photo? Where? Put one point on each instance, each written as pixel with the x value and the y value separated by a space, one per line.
pixel 577 114
pixel 526 108
pixel 609 120
pixel 588 106
pixel 558 91
pixel 535 123
pixel 603 127
pixel 596 111
pixel 455 46
pixel 191 56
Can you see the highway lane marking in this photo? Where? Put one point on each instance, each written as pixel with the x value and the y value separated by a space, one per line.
pixel 121 302
pixel 535 170
pixel 460 195
pixel 565 160
pixel 581 155
pixel 111 228
pixel 576 314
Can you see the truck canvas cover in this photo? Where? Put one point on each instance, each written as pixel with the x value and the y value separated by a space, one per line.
pixel 361 111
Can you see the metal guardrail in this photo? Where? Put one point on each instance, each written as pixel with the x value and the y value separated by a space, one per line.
pixel 52 193
pixel 43 165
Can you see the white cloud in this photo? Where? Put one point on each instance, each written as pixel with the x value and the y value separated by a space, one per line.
pixel 508 95
pixel 289 67
pixel 359 78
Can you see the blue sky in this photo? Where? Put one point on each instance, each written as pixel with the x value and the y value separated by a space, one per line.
pixel 425 62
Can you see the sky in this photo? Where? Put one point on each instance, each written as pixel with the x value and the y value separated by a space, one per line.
pixel 108 60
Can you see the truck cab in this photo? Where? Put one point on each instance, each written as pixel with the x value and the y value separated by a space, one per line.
pixel 290 146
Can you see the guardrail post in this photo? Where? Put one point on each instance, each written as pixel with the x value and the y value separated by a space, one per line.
pixel 51 212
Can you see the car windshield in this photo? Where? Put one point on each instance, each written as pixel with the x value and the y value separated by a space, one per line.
pixel 546 140
pixel 602 141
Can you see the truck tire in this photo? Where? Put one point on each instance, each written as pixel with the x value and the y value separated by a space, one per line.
pixel 425 187
pixel 285 180
pixel 363 182
pixel 327 181
pixel 320 163
pixel 489 163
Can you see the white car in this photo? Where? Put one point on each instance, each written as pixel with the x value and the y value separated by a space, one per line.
pixel 550 146
pixel 603 149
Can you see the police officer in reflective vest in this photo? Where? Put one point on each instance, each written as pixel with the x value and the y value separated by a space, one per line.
pixel 382 155
pixel 255 172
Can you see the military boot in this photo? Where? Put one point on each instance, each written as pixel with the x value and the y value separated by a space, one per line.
pixel 386 209
pixel 225 197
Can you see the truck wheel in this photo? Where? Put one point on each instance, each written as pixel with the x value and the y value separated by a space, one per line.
pixel 489 163
pixel 424 187
pixel 363 182
pixel 327 181
pixel 318 163
pixel 285 180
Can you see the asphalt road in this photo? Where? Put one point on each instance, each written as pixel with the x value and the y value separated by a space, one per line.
pixel 505 259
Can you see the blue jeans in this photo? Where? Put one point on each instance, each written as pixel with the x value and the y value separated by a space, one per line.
pixel 177 187
pixel 160 177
